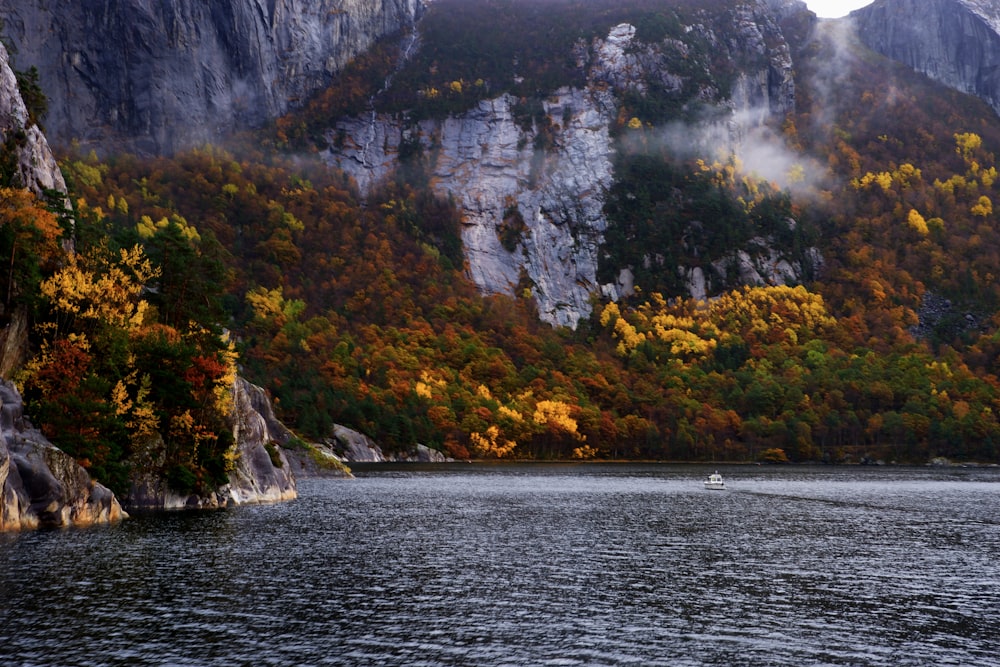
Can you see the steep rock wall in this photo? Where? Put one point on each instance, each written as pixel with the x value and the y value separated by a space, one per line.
pixel 955 42
pixel 157 76
pixel 34 165
pixel 488 163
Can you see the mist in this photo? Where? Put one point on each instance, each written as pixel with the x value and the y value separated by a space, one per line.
pixel 743 139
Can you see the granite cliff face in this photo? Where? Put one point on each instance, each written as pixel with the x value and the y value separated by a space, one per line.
pixel 158 76
pixel 492 166
pixel 34 166
pixel 955 42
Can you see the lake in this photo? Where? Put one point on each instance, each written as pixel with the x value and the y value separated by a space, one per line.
pixel 591 564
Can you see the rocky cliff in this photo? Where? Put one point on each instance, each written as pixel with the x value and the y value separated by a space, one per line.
pixel 956 42
pixel 25 147
pixel 261 472
pixel 40 486
pixel 533 205
pixel 157 76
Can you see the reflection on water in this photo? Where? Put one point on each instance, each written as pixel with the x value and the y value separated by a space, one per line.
pixel 544 564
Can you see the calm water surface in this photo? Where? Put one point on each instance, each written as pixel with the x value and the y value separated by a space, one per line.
pixel 531 565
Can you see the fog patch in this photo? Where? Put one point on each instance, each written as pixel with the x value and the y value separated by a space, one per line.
pixel 837 46
pixel 755 148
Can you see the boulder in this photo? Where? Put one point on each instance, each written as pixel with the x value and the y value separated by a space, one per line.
pixel 40 485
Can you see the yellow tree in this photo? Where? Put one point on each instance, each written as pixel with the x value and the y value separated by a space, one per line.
pixel 100 288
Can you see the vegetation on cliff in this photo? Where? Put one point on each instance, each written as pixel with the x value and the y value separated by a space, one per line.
pixel 359 313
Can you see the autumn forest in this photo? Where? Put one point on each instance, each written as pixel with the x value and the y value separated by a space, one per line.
pixel 167 276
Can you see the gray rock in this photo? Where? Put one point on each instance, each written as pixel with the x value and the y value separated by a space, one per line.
pixel 955 42
pixel 37 169
pixel 254 479
pixel 158 76
pixel 40 485
pixel 486 162
pixel 354 447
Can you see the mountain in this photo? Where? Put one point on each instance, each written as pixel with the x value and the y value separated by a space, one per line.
pixel 956 42
pixel 531 179
pixel 159 76
pixel 531 168
pixel 685 230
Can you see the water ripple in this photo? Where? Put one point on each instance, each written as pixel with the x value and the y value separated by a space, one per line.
pixel 539 565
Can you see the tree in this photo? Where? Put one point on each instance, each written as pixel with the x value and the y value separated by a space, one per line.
pixel 29 242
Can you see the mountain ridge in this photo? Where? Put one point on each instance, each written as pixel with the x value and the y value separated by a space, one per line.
pixel 955 42
pixel 157 77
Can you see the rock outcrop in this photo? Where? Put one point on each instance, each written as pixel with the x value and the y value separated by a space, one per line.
pixel 40 485
pixel 348 445
pixel 261 474
pixel 32 161
pixel 158 76
pixel 955 42
pixel 532 199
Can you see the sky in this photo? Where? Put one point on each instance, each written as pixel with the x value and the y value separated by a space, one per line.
pixel 832 9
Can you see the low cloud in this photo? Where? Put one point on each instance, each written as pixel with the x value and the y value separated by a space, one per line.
pixel 759 150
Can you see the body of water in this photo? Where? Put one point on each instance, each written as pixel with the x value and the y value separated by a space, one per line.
pixel 531 565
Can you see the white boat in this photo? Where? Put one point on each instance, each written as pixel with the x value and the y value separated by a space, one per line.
pixel 715 482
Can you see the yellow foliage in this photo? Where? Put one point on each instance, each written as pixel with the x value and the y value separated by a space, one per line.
pixel 490 444
pixel 953 184
pixel 611 313
pixel 882 179
pixel 694 330
pixel 88 175
pixel 556 415
pixel 796 173
pixel 988 176
pixel 91 288
pixel 271 306
pixel 917 222
pixel 629 338
pixel 509 413
pixel 148 229
pixel 223 390
pixel 967 143
pixel 983 208
pixel 763 307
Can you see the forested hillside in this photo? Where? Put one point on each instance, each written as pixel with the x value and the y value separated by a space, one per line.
pixel 357 311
